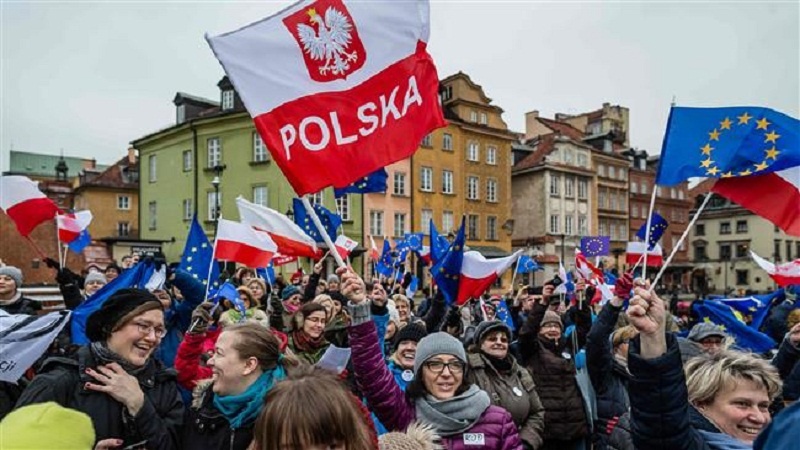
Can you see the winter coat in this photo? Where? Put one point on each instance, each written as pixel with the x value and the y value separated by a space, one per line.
pixel 553 370
pixel 397 411
pixel 619 434
pixel 661 417
pixel 62 380
pixel 23 305
pixel 514 391
pixel 775 324
pixel 786 361
pixel 207 428
pixel 609 377
pixel 188 359
pixel 178 317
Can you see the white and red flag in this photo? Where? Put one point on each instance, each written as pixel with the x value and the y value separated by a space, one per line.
pixel 336 89
pixel 478 274
pixel 344 245
pixel 774 196
pixel 243 244
pixel 281 260
pixel 783 274
pixel 24 203
pixel 373 250
pixel 635 251
pixel 70 226
pixel 587 270
pixel 425 255
pixel 290 238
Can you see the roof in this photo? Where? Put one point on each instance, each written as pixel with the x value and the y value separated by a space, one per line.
pixel 115 176
pixel 40 164
pixel 562 128
pixel 542 148
pixel 193 98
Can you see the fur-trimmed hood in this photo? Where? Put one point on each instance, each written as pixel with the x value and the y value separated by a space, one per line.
pixel 416 437
pixel 199 391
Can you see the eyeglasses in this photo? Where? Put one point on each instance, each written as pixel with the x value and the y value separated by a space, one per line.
pixel 551 325
pixel 315 320
pixel 455 367
pixel 146 328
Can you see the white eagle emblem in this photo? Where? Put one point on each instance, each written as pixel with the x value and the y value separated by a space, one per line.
pixel 329 42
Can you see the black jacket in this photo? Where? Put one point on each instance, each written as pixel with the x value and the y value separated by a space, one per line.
pixel 23 305
pixel 207 428
pixel 786 361
pixel 62 380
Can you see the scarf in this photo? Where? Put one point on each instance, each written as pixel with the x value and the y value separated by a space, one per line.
pixel 502 365
pixel 290 308
pixel 306 344
pixel 722 441
pixel 242 409
pixel 12 300
pixel 455 415
pixel 105 355
pixel 236 316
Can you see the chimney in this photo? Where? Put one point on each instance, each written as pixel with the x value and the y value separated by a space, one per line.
pixel 531 124
pixel 131 155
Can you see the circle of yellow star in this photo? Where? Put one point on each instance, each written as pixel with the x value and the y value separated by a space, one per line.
pixel 728 174
pixel 744 118
pixel 761 166
pixel 712 171
pixel 762 124
pixel 772 136
pixel 772 153
pixel 725 124
pixel 745 172
pixel 706 163
pixel 714 135
pixel 707 149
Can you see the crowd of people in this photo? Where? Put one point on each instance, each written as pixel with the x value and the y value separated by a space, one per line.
pixel 172 369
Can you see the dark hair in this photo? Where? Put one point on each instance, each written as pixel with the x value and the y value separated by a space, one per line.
pixel 255 341
pixel 305 311
pixel 416 388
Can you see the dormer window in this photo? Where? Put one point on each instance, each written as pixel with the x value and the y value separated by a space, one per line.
pixel 180 114
pixel 227 100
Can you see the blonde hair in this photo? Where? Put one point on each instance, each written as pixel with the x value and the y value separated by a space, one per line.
pixel 623 334
pixel 324 299
pixel 793 319
pixel 707 375
pixel 398 298
pixel 255 341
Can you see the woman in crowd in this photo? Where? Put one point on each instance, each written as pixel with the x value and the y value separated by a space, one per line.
pixel 252 312
pixel 721 402
pixel 508 384
pixel 438 395
pixel 307 339
pixel 403 306
pixel 259 289
pixel 246 364
pixel 291 300
pixel 336 327
pixel 128 394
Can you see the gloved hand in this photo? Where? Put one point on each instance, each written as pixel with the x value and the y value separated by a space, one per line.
pixel 453 317
pixel 623 286
pixel 202 318
pixel 52 263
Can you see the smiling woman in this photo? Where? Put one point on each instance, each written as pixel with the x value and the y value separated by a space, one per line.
pixel 129 395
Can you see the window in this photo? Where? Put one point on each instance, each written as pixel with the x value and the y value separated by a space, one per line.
pixel 741 250
pixel 484 119
pixel 672 193
pixel 659 191
pixel 700 253
pixel 569 187
pixel 376 223
pixel 187 161
pixel 399 224
pixel 601 170
pixel 473 188
pixel 741 226
pixel 447 141
pixel 180 114
pixel 602 228
pixel 700 229
pixel 643 187
pixel 601 199
pixel 123 229
pixel 399 183
pixel 472 226
pixel 152 168
pixel 724 228
pixel 447 221
pixel 634 211
pixel 427 215
pixel 473 151
pixel 555 182
pixel 473 116
pixel 491 190
pixel 582 189
pixel 613 200
pixel 315 199
pixel 623 174
pixel 491 155
pixel 260 153
pixel 612 231
pixel 788 250
pixel 568 156
pixel 777 251
pixel 426 183
pixel 214 202
pixel 227 100
pixel 214 153
pixel 634 187
pixel 554 223
pixel 447 182
pixel 491 228
pixel 582 228
pixel 583 160
pixel 123 202
pixel 568 225
pixel 427 141
pixel 612 172
pixel 187 209
pixel 151 208
pixel 261 195
pixel 681 195
pixel 742 277
pixel 343 207
pixel 725 251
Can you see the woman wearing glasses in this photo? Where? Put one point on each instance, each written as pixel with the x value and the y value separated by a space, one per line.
pixel 130 397
pixel 438 396
pixel 307 339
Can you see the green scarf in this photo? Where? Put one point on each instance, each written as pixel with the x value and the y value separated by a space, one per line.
pixel 236 316
pixel 242 410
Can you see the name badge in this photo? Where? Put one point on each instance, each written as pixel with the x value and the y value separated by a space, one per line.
pixel 407 375
pixel 474 439
pixel 566 355
pixel 517 391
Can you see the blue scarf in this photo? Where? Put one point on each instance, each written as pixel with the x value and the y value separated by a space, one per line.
pixel 722 441
pixel 242 409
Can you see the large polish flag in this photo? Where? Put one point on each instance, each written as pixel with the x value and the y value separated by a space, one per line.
pixel 635 251
pixel 243 244
pixel 774 196
pixel 70 226
pixel 24 203
pixel 337 89
pixel 783 274
pixel 478 274
pixel 290 238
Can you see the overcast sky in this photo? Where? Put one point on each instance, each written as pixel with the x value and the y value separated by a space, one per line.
pixel 89 78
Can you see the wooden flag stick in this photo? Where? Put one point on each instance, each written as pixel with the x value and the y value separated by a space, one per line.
pixel 314 218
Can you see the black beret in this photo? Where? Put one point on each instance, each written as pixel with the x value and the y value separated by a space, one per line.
pixel 120 304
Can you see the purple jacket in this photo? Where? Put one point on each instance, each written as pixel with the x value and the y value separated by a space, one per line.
pixel 495 428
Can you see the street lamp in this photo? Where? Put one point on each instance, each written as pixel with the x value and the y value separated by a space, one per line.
pixel 218 169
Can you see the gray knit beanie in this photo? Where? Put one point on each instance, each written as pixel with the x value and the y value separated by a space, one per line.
pixel 14 273
pixel 333 278
pixel 439 343
pixel 94 276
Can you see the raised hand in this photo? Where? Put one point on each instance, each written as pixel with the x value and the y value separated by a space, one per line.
pixel 647 313
pixel 352 286
pixel 623 286
pixel 794 334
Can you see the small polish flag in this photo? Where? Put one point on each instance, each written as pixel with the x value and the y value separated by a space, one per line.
pixel 635 251
pixel 344 245
pixel 478 274
pixel 24 203
pixel 70 226
pixel 241 243
pixel 373 251
pixel 290 238
pixel 783 274
pixel 425 254
pixel 587 270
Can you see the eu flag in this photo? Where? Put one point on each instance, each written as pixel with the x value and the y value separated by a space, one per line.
pixel 595 245
pixel 447 271
pixel 267 273
pixel 228 291
pixel 374 182
pixel 81 242
pixel 721 314
pixel 414 241
pixel 330 221
pixel 727 142
pixel 503 315
pixel 526 264
pixel 412 287
pixel 439 244
pixel 385 264
pixel 658 225
pixel 197 255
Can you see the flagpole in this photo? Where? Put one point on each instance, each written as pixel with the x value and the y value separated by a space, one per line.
pixel 647 229
pixel 680 241
pixel 58 245
pixel 211 265
pixel 638 262
pixel 514 275
pixel 310 210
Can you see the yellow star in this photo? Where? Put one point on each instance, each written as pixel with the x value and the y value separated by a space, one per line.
pixel 744 118
pixel 706 163
pixel 762 124
pixel 745 173
pixel 712 171
pixel 714 135
pixel 771 137
pixel 707 149
pixel 727 174
pixel 725 124
pixel 772 153
pixel 763 165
